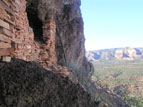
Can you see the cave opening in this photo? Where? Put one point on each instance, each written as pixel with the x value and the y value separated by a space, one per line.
pixel 34 22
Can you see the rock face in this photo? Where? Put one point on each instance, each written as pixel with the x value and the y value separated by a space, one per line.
pixel 116 53
pixel 46 31
pixel 51 34
pixel 65 38
pixel 26 84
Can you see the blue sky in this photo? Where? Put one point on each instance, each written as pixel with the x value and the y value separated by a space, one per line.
pixel 112 23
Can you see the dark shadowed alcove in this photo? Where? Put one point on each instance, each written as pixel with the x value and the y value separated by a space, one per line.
pixel 34 21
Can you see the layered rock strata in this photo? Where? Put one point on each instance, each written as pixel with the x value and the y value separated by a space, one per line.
pixel 115 54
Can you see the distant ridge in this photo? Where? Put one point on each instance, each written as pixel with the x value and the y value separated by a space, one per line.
pixel 126 53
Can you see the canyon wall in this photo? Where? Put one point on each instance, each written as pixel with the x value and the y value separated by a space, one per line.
pixel 52 34
pixel 49 33
pixel 116 54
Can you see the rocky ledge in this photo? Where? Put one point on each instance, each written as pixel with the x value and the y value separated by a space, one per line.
pixel 26 84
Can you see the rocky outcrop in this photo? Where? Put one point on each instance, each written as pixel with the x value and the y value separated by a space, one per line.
pixel 129 90
pixel 116 53
pixel 26 84
pixel 65 33
pixel 109 98
pixel 51 34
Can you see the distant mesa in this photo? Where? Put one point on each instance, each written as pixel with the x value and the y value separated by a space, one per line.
pixel 115 54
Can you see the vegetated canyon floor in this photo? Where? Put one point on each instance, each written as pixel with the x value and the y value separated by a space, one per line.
pixel 122 77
